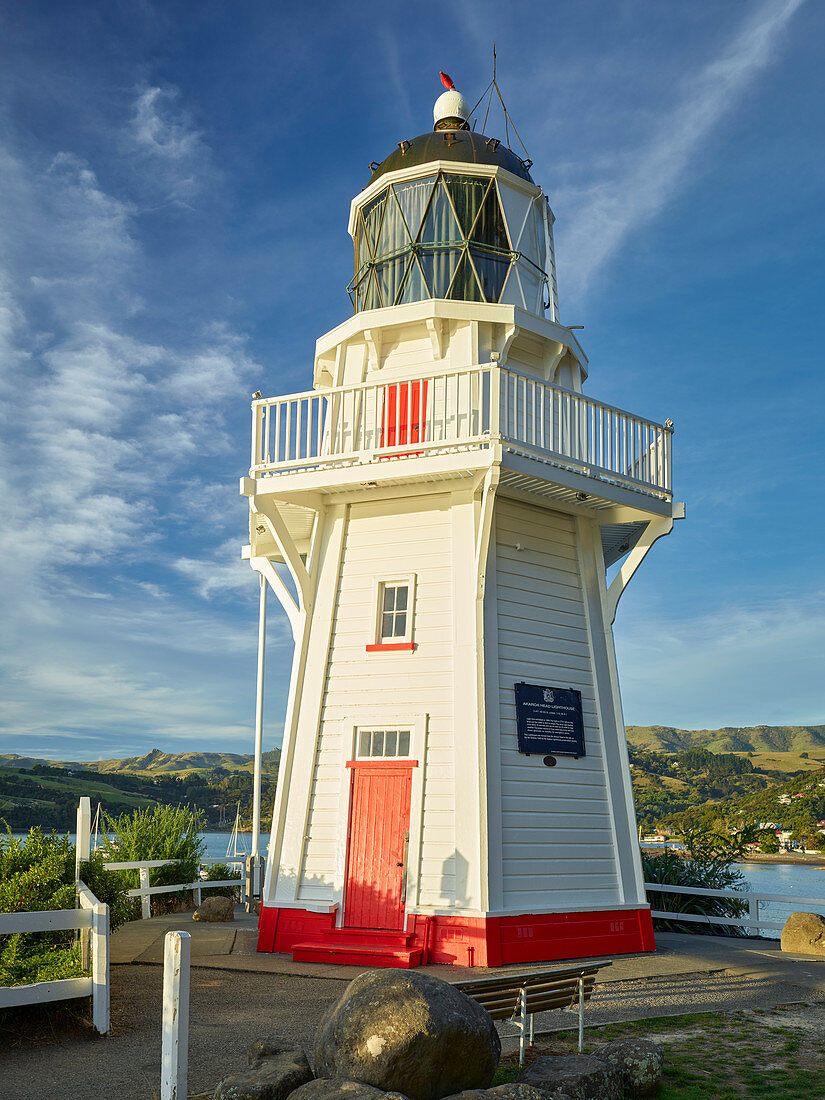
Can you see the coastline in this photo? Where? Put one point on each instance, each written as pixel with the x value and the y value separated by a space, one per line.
pixel 790 859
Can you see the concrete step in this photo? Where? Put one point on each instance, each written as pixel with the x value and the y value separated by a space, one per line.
pixel 365 953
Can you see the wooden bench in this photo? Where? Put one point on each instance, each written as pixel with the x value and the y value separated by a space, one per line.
pixel 516 997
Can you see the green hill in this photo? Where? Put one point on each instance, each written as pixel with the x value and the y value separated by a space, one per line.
pixel 154 762
pixel 728 739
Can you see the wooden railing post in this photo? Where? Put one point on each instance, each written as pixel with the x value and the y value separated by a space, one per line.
pixel 83 843
pixel 175 1042
pixel 100 967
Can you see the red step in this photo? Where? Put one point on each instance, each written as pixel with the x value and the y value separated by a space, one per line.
pixel 366 952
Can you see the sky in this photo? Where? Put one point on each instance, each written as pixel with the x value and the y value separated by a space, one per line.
pixel 175 181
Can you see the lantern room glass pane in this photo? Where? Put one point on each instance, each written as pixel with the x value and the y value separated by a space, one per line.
pixel 371 299
pixel 372 220
pixel 413 198
pixel 489 227
pixel 439 267
pixel 492 271
pixel 440 225
pixel 468 196
pixel 465 286
pixel 415 288
pixel 392 235
pixel 389 277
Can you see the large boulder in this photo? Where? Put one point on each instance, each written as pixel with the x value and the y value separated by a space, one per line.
pixel 275 1073
pixel 804 934
pixel 579 1076
pixel 640 1062
pixel 407 1032
pixel 215 909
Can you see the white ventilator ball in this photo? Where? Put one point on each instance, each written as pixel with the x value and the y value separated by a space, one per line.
pixel 451 104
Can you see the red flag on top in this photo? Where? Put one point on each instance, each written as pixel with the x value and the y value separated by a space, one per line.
pixel 446 81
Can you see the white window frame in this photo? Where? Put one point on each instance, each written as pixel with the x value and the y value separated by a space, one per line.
pixel 378 602
pixel 385 727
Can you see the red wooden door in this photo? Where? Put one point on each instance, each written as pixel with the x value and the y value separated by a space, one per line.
pixel 405 413
pixel 378 829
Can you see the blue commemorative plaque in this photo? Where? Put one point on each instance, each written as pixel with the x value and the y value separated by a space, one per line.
pixel 549 720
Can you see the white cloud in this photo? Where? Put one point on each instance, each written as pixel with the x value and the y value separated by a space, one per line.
pixel 606 212
pixel 163 133
pixel 219 573
pixel 745 664
pixel 95 416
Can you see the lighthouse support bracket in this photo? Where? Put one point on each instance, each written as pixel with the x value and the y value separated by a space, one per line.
pixel 656 529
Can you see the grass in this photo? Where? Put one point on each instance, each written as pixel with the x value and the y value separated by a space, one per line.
pixel 777 1054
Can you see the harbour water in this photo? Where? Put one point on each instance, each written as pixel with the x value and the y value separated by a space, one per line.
pixel 791 879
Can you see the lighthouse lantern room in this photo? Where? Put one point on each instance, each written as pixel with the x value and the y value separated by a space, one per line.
pixel 436 517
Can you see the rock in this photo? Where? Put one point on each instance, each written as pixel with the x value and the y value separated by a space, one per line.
pixel 640 1062
pixel 339 1088
pixel 804 934
pixel 215 909
pixel 579 1076
pixel 274 1075
pixel 514 1091
pixel 405 1031
pixel 262 1050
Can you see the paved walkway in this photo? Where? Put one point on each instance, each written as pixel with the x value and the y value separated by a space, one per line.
pixel 233 947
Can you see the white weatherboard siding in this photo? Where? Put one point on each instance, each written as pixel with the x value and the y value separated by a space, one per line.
pixel 397 538
pixel 557 831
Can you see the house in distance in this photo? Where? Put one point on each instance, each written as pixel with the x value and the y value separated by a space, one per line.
pixel 444 504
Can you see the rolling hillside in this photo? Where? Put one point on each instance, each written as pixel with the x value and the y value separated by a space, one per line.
pixel 759 739
pixel 154 762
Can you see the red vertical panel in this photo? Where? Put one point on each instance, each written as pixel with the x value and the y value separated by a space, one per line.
pixel 380 814
pixel 405 413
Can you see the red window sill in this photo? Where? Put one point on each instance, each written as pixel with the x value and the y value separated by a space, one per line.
pixel 391 647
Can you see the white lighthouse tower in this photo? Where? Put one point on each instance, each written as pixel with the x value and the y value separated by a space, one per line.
pixel 437 516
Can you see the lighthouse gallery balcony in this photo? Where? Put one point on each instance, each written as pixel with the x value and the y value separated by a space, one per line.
pixel 434 425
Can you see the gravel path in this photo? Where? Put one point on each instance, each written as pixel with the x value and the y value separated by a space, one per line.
pixel 228 1010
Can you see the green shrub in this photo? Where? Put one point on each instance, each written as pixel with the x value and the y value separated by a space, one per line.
pixel 37 874
pixel 218 871
pixel 161 832
pixel 705 871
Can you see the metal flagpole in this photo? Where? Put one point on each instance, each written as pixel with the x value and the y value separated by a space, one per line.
pixel 259 723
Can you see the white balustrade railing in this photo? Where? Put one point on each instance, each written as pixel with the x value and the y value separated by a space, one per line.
pixel 754 921
pixel 459 409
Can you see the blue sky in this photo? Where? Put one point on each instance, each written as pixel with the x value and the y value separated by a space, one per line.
pixel 174 188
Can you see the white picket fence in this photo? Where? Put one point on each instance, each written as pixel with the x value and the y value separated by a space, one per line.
pixel 753 921
pixel 145 891
pixel 91 919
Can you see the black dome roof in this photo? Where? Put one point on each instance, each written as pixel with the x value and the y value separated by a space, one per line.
pixel 459 145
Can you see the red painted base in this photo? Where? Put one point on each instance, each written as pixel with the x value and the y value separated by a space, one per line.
pixel 459 941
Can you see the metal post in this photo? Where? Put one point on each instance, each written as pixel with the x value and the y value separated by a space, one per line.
pixel 175 1043
pixel 581 1014
pixel 254 890
pixel 753 913
pixel 145 905
pixel 523 1025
